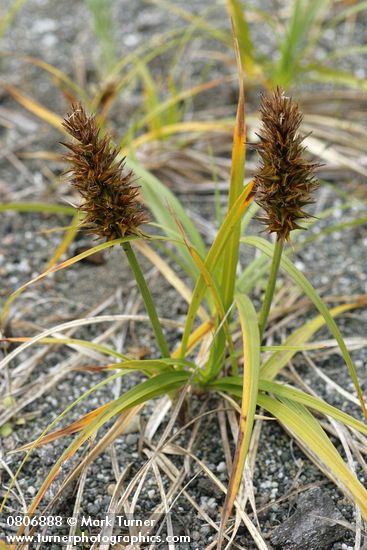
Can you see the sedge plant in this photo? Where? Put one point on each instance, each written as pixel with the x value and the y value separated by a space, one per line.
pixel 110 206
pixel 298 33
pixel 209 357
pixel 285 181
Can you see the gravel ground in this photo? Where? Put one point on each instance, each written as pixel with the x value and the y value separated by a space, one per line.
pixel 61 33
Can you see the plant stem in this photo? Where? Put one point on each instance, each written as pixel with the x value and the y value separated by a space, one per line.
pixel 147 297
pixel 269 292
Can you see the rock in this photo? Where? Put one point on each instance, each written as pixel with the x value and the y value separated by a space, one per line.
pixel 222 467
pixel 93 508
pixel 133 426
pixel 208 504
pixel 131 439
pixel 307 528
pixel 207 487
pixel 111 488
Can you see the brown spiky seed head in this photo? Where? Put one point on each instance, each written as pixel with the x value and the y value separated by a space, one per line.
pixel 285 180
pixel 109 193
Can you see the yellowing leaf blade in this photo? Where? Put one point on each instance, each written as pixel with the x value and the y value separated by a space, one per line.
pixel 34 107
pixel 309 432
pixel 251 357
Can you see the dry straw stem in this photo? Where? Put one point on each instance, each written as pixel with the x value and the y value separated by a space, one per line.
pixel 110 202
pixel 285 180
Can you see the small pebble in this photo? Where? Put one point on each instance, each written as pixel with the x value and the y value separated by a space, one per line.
pixel 195 535
pixel 222 467
pixel 110 488
pixel 131 439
